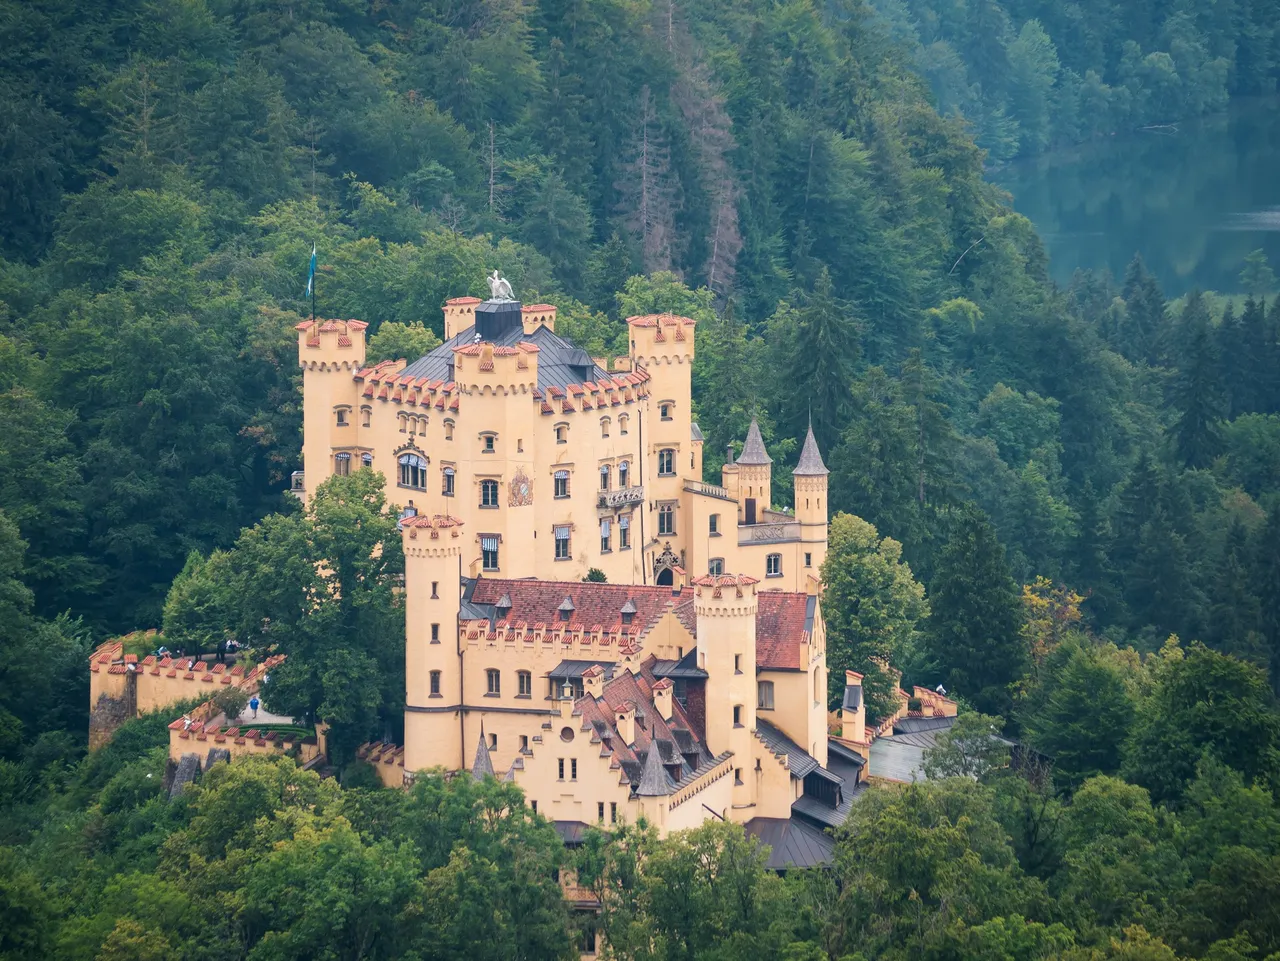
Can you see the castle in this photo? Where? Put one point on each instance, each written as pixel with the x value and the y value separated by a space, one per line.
pixel 558 462
pixel 690 684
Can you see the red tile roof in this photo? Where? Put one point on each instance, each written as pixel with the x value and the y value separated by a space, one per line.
pixel 593 604
pixel 780 630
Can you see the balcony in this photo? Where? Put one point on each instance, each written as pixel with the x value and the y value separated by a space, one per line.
pixel 623 497
pixel 298 483
pixel 708 490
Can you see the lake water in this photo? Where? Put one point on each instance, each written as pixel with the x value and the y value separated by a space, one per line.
pixel 1194 200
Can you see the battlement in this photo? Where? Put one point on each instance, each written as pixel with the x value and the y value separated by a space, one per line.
pixel 577 642
pixel 206 726
pixel 534 316
pixel 616 390
pixel 487 367
pixel 662 338
pixel 385 382
pixel 459 314
pixel 331 344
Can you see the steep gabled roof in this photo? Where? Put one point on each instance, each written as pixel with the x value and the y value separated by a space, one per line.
pixel 590 606
pixel 783 623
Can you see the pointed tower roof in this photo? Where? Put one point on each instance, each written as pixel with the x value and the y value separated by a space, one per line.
pixel 753 452
pixel 482 766
pixel 810 464
pixel 654 781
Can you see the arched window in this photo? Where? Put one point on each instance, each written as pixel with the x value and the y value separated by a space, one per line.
pixel 413 472
pixel 666 462
pixel 561 483
pixel 342 464
pixel 773 565
pixel 340 416
pixel 493 681
pixel 404 422
pixel 435 683
pixel 713 524
pixel 366 460
pixel 605 473
pixel 624 532
pixel 623 470
pixel 488 493
pixel 448 482
pixel 562 433
pixel 664 409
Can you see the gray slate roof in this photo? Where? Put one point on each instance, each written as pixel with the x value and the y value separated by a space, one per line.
pixel 802 762
pixel 792 842
pixel 482 766
pixel 654 781
pixel 696 432
pixel 753 452
pixel 560 363
pixel 852 697
pixel 810 464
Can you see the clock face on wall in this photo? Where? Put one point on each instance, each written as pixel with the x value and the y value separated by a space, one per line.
pixel 521 490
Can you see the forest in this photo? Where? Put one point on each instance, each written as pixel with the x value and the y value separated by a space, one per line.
pixel 1061 502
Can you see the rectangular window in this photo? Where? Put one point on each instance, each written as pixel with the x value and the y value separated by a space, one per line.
pixel 667 519
pixel 737 664
pixel 664 411
pixel 435 590
pixel 561 483
pixel 435 683
pixel 342 464
pixel 713 525
pixel 604 536
pixel 435 633
pixel 488 493
pixel 562 544
pixel 342 418
pixel 737 715
pixel 489 552
pixel 447 489
pixel 524 742
pixel 573 769
pixel 534 806
pixel 715 565
pixel 489 441
pixel 737 775
pixel 666 462
pixel 494 679
pixel 524 681
pixel 623 470
pixel 604 477
pixel 764 695
pixel 600 811
pixel 808 559
pixel 560 769
pixel 773 565
pixel 613 812
pixel 624 532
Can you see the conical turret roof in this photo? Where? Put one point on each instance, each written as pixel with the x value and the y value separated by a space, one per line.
pixel 810 464
pixel 654 781
pixel 482 767
pixel 753 452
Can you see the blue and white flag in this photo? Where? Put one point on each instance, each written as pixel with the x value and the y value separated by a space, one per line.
pixel 311 274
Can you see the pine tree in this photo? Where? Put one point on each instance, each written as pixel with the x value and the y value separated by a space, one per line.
pixel 1236 610
pixel 1266 581
pixel 1233 352
pixel 1144 314
pixel 1091 569
pixel 1197 389
pixel 974 629
pixel 1159 584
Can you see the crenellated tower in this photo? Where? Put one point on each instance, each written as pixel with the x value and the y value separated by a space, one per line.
pixel 726 606
pixel 329 353
pixel 433 549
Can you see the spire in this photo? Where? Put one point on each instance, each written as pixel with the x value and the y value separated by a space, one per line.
pixel 653 776
pixel 753 452
pixel 810 464
pixel 482 767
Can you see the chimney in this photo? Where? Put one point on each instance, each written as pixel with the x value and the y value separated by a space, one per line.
pixel 593 681
pixel 662 697
pixel 626 725
pixel 853 710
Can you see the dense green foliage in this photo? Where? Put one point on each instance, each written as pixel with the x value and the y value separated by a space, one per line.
pixel 783 173
pixel 1030 73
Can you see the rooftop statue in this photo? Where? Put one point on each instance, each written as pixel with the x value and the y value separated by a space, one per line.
pixel 500 287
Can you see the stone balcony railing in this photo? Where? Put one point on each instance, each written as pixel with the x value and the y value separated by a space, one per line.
pixel 622 497
pixel 708 490
pixel 770 532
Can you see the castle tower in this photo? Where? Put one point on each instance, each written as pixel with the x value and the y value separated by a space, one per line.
pixel 433 674
pixel 663 345
pixel 459 314
pixel 755 478
pixel 726 607
pixel 811 506
pixel 329 352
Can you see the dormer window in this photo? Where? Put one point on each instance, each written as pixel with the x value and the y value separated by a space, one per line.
pixel 628 611
pixel 566 609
